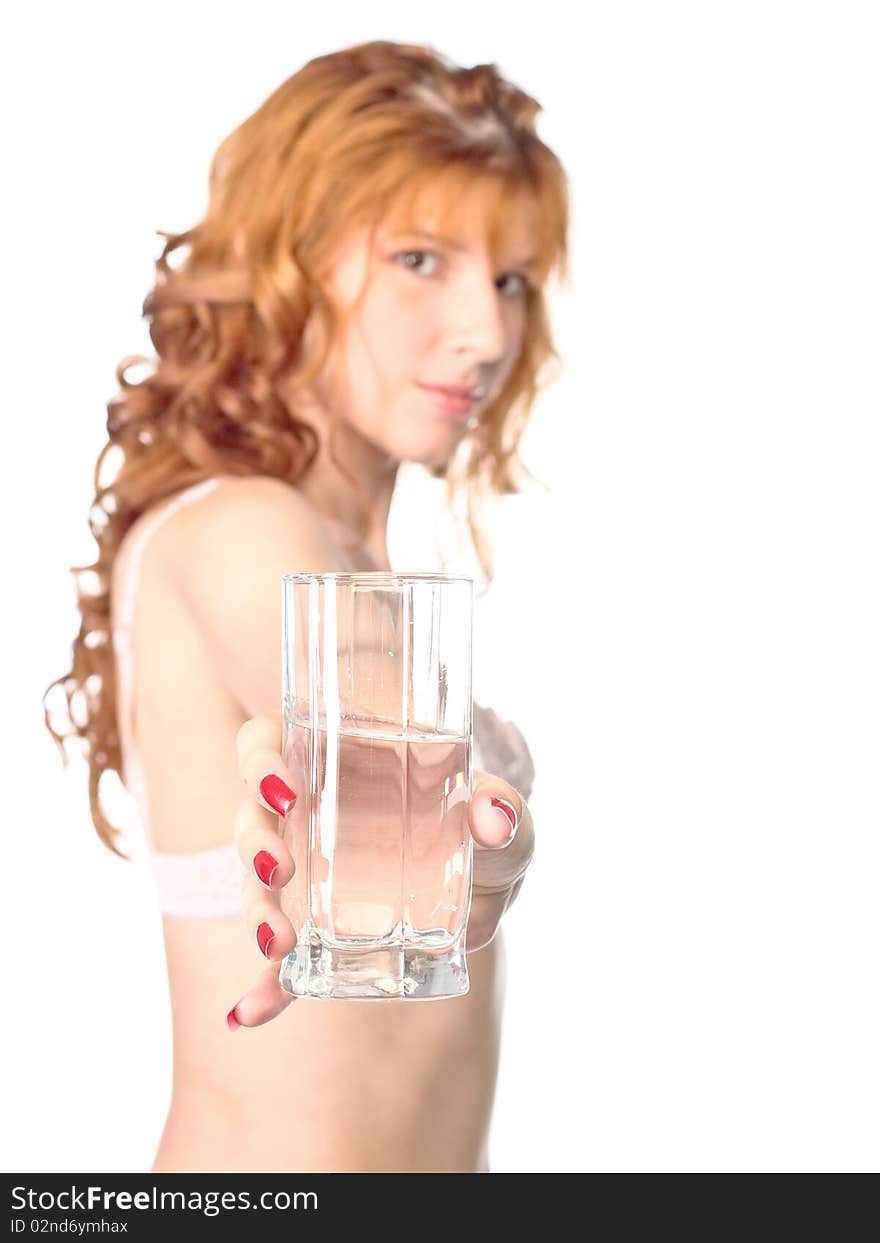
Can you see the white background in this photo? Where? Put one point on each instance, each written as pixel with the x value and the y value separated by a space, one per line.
pixel 685 624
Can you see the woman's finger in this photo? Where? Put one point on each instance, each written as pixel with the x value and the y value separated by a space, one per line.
pixel 256 734
pixel 261 765
pixel 485 916
pixel 504 842
pixel 265 1001
pixel 504 836
pixel 260 847
pixel 272 931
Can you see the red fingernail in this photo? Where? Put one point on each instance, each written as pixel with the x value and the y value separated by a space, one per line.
pixel 509 812
pixel 265 937
pixel 231 1021
pixel 277 794
pixel 264 866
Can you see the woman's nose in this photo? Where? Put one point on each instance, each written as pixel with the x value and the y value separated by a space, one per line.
pixel 476 322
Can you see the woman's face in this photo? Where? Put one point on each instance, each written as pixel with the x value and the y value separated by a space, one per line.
pixel 434 312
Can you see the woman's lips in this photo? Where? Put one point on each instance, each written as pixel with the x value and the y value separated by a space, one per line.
pixel 449 403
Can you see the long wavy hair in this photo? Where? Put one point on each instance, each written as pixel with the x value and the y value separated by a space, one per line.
pixel 349 139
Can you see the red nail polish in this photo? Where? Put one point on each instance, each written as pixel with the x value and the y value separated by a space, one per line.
pixel 265 866
pixel 277 794
pixel 509 811
pixel 231 1021
pixel 265 937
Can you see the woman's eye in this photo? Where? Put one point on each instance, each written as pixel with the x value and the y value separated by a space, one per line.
pixel 404 257
pixel 524 284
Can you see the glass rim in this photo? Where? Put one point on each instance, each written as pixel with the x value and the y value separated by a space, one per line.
pixel 376 576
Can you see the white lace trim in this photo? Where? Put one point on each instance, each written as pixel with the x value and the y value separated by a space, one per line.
pixel 206 884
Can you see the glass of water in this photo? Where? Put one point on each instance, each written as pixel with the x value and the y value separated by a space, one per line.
pixel 378 735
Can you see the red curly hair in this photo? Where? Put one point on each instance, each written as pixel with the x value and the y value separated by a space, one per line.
pixel 353 137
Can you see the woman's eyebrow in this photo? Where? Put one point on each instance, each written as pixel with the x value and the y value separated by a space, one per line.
pixel 453 245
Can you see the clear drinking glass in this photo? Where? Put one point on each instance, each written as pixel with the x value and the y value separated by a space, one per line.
pixel 378 736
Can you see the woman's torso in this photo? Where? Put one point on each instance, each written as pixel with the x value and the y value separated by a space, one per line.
pixel 328 1085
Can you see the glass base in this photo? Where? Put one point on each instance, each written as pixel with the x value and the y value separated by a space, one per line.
pixel 398 972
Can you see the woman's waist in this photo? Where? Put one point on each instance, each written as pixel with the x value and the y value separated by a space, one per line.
pixel 346 1050
pixel 348 1058
pixel 331 1072
pixel 286 1138
pixel 335 1092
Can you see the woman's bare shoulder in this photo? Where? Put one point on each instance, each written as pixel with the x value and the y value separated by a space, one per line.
pixel 240 495
pixel 222 560
pixel 224 520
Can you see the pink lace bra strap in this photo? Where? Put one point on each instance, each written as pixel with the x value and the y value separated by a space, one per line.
pixel 206 884
pixel 131 563
pixel 124 605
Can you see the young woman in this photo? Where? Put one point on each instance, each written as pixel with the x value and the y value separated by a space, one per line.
pixel 379 230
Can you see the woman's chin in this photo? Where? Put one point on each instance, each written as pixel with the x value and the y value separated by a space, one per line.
pixel 438 452
pixel 437 462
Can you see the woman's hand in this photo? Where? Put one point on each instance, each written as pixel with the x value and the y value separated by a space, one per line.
pixel 498 818
pixel 504 842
